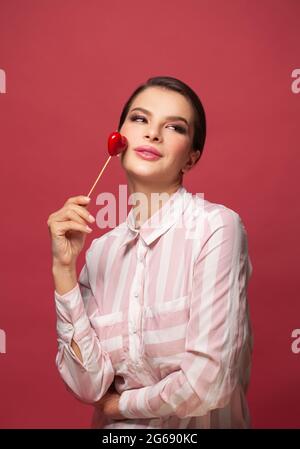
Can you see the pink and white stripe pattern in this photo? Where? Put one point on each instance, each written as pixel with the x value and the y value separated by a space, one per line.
pixel 162 313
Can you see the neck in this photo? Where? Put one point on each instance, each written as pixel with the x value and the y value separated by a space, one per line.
pixel 148 206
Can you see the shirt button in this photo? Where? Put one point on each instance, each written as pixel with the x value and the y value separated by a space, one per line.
pixel 136 294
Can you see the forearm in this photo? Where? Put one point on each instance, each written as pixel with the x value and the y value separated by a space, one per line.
pixel 65 279
pixel 90 377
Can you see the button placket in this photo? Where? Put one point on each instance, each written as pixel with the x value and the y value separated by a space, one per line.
pixel 139 277
pixel 134 312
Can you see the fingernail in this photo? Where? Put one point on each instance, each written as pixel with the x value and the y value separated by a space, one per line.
pixel 91 218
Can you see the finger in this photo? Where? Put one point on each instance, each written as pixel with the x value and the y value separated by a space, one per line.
pixel 64 226
pixel 73 216
pixel 82 212
pixel 80 199
pixel 74 211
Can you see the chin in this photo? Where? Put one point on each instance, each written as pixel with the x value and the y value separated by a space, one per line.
pixel 144 174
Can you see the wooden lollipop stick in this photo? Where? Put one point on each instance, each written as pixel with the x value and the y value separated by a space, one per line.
pixel 99 175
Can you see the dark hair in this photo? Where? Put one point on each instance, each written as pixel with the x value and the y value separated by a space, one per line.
pixel 175 84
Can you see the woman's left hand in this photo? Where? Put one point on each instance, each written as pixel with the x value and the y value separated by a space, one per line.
pixel 109 404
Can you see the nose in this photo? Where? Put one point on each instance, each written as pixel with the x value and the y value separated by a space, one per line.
pixel 153 134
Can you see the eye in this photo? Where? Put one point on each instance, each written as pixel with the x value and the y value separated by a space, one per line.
pixel 178 128
pixel 134 117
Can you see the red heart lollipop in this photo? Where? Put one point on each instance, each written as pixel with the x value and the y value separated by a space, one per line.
pixel 116 143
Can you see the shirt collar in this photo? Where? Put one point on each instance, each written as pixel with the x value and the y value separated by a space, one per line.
pixel 161 221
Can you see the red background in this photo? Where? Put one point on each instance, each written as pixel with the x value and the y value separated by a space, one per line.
pixel 70 67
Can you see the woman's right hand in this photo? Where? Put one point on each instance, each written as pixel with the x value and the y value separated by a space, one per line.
pixel 68 229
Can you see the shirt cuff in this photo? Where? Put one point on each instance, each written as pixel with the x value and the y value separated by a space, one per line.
pixel 69 306
pixel 134 404
pixel 67 294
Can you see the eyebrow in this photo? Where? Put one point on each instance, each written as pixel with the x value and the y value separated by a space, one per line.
pixel 170 117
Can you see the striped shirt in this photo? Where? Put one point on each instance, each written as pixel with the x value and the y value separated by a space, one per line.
pixel 161 312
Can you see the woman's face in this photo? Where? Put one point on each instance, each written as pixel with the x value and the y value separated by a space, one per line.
pixel 172 137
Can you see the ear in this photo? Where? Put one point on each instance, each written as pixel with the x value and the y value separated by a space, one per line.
pixel 193 158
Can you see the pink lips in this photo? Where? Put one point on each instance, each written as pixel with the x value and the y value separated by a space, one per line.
pixel 148 152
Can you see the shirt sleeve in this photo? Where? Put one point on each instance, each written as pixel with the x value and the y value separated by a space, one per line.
pixel 217 330
pixel 90 379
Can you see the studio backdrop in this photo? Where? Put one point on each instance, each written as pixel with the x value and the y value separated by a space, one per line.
pixel 66 69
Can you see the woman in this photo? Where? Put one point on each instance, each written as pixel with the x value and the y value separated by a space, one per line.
pixel 155 333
